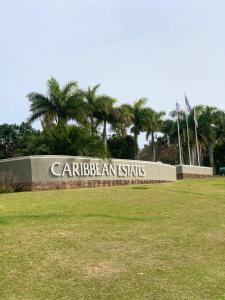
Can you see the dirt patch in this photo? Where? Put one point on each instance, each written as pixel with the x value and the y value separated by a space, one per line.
pixel 102 269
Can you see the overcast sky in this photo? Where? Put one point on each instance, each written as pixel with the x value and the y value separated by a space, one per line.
pixel 135 48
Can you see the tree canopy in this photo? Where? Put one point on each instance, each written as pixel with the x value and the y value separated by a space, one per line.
pixel 79 121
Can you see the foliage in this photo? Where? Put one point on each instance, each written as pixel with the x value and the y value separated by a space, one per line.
pixel 122 147
pixel 154 124
pixel 93 114
pixel 219 156
pixel 123 120
pixel 14 139
pixel 59 106
pixel 106 113
pixel 210 131
pixel 139 115
pixel 164 151
pixel 68 140
pixel 97 107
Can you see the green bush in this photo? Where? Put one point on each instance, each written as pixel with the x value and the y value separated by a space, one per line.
pixel 122 147
pixel 67 140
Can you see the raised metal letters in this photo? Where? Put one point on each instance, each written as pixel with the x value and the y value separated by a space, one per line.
pixel 96 170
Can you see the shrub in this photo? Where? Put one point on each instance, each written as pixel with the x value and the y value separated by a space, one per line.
pixel 7 182
pixel 122 147
pixel 67 140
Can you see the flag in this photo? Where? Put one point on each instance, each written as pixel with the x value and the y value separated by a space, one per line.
pixel 178 107
pixel 195 119
pixel 187 105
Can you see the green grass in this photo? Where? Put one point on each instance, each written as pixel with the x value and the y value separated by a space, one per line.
pixel 164 241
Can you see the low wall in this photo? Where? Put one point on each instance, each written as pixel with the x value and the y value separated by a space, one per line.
pixel 186 171
pixel 54 172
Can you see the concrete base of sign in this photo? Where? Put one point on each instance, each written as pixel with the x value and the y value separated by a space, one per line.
pixel 186 171
pixel 57 172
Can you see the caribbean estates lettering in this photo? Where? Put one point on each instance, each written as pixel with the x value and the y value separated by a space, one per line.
pixel 96 169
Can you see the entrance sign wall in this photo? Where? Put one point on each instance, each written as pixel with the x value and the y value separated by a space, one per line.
pixel 54 172
pixel 185 171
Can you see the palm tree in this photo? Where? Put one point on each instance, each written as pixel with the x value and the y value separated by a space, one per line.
pixel 91 100
pixel 172 133
pixel 208 117
pixel 210 130
pixel 123 120
pixel 154 125
pixel 99 110
pixel 140 117
pixel 58 106
pixel 105 113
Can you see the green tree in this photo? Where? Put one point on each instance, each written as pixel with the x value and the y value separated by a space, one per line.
pixel 91 102
pixel 99 110
pixel 219 156
pixel 123 120
pixel 68 140
pixel 154 124
pixel 209 131
pixel 166 152
pixel 58 106
pixel 106 114
pixel 122 147
pixel 15 138
pixel 140 117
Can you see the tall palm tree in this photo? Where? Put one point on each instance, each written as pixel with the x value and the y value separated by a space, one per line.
pixel 154 124
pixel 58 106
pixel 105 113
pixel 99 110
pixel 184 137
pixel 140 117
pixel 123 119
pixel 209 131
pixel 208 117
pixel 91 100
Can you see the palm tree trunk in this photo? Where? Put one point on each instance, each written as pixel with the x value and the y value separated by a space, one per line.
pixel 211 155
pixel 201 155
pixel 92 125
pixel 104 135
pixel 136 155
pixel 153 147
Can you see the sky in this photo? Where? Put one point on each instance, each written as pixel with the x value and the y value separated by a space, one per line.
pixel 135 48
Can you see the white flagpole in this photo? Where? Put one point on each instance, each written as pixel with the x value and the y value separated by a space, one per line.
pixel 179 144
pixel 189 149
pixel 196 136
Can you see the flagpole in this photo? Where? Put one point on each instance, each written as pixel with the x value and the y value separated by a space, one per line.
pixel 188 110
pixel 179 144
pixel 196 137
pixel 189 149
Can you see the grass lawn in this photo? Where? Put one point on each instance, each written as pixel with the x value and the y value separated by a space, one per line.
pixel 164 241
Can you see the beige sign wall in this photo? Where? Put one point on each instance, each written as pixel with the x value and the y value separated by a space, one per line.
pixel 186 171
pixel 53 169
